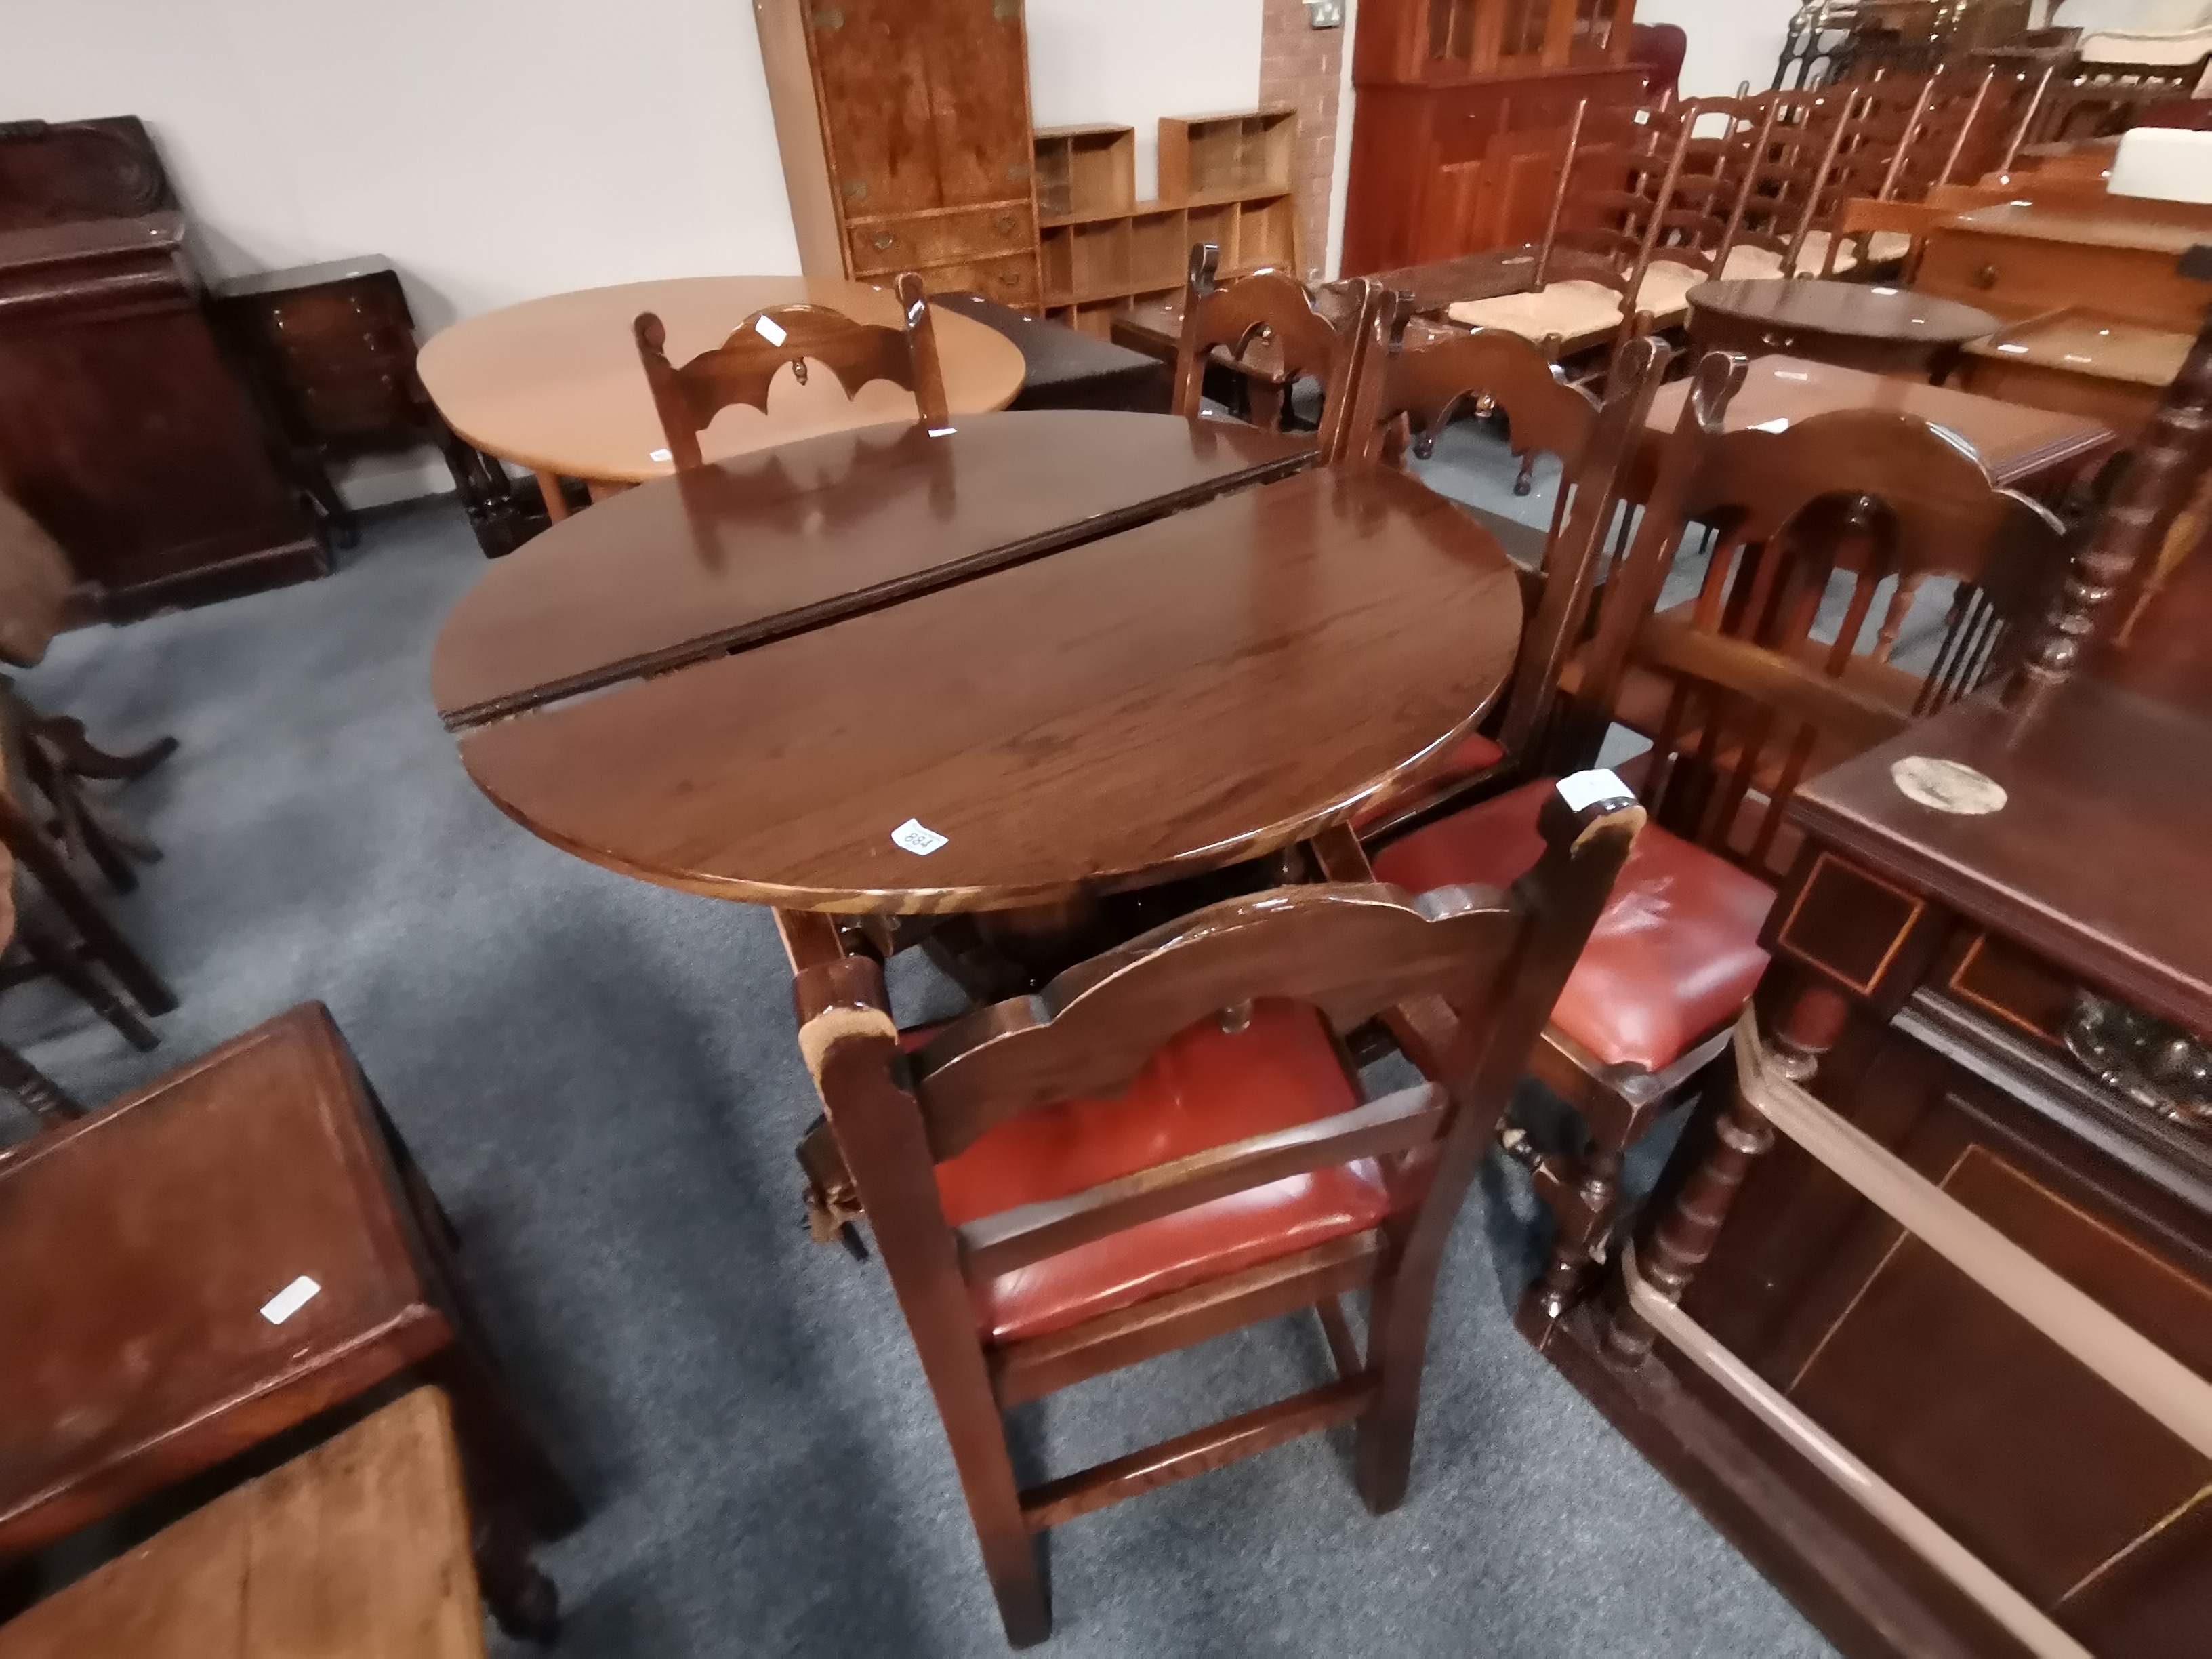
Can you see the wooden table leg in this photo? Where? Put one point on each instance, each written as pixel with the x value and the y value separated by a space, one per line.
pixel 549 486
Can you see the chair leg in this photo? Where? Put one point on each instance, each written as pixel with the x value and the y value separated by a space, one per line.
pixel 77 753
pixel 56 958
pixel 37 1092
pixel 106 941
pixel 1397 1344
pixel 525 1602
pixel 1583 1209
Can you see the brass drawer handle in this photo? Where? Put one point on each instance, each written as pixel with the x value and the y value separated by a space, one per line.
pixel 1985 277
pixel 1009 278
pixel 883 239
pixel 1005 223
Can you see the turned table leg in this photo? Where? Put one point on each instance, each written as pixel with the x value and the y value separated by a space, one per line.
pixel 1684 1238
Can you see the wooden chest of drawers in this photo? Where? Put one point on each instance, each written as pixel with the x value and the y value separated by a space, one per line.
pixel 904 126
pixel 2021 261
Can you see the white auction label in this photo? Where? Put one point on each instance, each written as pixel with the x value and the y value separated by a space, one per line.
pixel 289 1300
pixel 1947 785
pixel 1584 789
pixel 916 838
pixel 768 329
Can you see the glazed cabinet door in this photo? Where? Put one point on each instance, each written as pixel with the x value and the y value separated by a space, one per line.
pixel 978 60
pixel 876 108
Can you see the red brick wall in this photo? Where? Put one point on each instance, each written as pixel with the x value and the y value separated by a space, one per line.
pixel 1299 65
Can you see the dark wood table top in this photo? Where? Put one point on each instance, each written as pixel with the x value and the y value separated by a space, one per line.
pixel 1858 310
pixel 2017 443
pixel 1441 282
pixel 2097 858
pixel 1149 701
pixel 772 542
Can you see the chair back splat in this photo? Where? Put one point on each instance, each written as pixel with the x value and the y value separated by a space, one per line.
pixel 741 368
pixel 1169 1141
pixel 1275 308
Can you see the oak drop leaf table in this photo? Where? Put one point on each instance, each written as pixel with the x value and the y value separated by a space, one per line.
pixel 555 384
pixel 1081 652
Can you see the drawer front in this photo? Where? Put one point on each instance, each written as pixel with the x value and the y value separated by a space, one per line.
pixel 895 245
pixel 1010 282
pixel 2016 276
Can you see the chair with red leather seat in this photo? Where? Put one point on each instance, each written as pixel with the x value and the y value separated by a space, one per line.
pixel 1744 714
pixel 1169 1141
pixel 1427 380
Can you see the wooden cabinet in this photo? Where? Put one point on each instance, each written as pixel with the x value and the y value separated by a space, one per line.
pixel 122 429
pixel 1463 114
pixel 904 126
pixel 2021 260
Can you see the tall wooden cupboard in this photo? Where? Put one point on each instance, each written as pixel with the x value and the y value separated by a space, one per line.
pixel 1462 106
pixel 904 126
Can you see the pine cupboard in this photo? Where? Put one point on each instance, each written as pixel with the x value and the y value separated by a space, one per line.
pixel 904 126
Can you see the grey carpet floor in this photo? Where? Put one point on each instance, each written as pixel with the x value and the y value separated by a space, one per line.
pixel 600 1077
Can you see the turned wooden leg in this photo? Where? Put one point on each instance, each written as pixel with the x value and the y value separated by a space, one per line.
pixel 1585 1221
pixel 1684 1238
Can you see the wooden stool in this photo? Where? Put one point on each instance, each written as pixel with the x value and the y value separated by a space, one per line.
pixel 357 1550
pixel 222 1256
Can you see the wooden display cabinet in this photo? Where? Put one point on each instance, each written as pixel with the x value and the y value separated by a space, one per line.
pixel 904 126
pixel 1450 93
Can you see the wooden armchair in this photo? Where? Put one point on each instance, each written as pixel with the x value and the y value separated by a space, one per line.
pixel 358 1549
pixel 1168 1142
pixel 282 1257
pixel 1741 703
pixel 1270 325
pixel 1423 384
pixel 741 368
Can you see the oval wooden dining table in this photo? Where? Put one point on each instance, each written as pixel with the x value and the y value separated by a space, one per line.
pixel 555 384
pixel 1042 657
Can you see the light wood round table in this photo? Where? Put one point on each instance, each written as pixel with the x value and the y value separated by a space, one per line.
pixel 554 385
pixel 1081 652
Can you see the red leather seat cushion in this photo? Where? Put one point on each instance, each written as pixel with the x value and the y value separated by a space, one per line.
pixel 1673 958
pixel 1473 753
pixel 1204 1088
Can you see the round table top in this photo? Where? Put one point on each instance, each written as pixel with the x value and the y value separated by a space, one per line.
pixel 1861 310
pixel 1158 692
pixel 555 385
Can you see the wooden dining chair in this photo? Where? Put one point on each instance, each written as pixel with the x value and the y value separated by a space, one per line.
pixel 230 1253
pixel 53 753
pixel 1271 321
pixel 1428 380
pixel 741 369
pixel 1787 172
pixel 1168 1142
pixel 1742 706
pixel 358 1549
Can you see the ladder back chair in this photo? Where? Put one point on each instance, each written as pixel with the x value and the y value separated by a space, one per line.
pixel 1168 1142
pixel 1616 182
pixel 1740 716
pixel 1787 180
pixel 1424 384
pixel 1270 325
pixel 1720 144
pixel 741 368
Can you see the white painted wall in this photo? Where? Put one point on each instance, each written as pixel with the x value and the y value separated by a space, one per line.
pixel 498 149
pixel 1731 41
pixel 1130 62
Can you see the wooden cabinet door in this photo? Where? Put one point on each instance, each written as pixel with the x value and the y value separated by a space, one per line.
pixel 979 98
pixel 875 104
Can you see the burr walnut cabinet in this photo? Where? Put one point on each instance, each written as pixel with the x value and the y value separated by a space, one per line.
pixel 904 126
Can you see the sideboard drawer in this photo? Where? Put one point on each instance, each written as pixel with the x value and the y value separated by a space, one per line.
pixel 1012 280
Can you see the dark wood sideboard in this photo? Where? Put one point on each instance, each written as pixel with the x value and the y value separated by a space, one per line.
pixel 124 431
pixel 2016 1003
pixel 1461 124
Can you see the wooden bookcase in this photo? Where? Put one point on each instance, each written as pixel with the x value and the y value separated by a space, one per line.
pixel 1224 179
